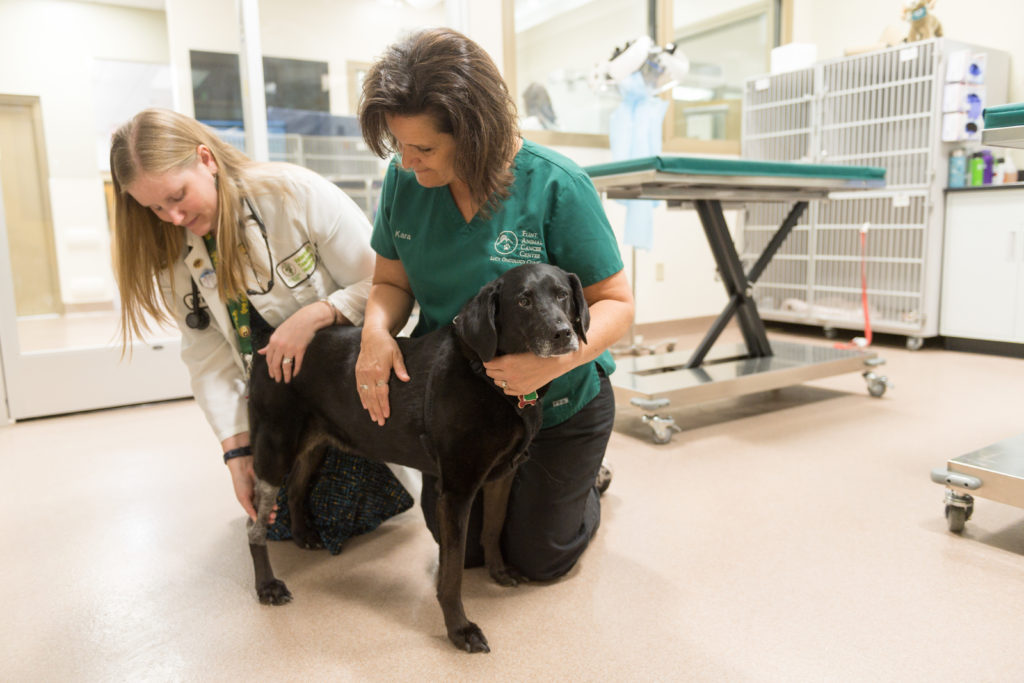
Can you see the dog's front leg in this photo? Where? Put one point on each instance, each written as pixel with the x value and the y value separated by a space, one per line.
pixel 270 590
pixel 453 517
pixel 495 507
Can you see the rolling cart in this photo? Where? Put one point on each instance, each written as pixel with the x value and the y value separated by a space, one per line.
pixel 995 472
pixel 707 185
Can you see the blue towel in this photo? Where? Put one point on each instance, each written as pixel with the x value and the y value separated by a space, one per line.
pixel 634 133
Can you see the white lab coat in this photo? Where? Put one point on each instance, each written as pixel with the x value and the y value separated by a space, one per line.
pixel 320 245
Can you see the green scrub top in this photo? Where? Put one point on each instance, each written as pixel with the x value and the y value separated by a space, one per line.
pixel 553 215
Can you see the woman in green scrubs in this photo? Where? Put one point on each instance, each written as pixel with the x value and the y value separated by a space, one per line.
pixel 465 199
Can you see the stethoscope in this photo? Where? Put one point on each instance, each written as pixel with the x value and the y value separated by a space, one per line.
pixel 199 317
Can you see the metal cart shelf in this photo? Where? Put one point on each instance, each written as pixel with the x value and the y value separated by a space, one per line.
pixel 995 472
pixel 652 382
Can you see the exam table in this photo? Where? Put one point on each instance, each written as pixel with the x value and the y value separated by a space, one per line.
pixel 728 370
pixel 995 472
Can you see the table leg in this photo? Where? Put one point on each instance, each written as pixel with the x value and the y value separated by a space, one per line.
pixel 738 285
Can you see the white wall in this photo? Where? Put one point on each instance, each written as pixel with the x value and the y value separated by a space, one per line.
pixel 47 48
pixel 835 26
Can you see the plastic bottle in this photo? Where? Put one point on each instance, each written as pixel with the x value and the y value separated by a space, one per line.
pixel 1009 171
pixel 957 168
pixel 976 170
pixel 997 171
pixel 986 155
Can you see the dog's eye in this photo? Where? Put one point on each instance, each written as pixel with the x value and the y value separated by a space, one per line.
pixel 562 296
pixel 523 301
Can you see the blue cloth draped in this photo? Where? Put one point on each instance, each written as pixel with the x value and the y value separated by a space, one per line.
pixel 635 132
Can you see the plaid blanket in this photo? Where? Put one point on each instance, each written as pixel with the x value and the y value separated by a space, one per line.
pixel 348 496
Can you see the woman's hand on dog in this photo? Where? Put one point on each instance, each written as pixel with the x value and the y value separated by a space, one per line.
pixel 243 478
pixel 378 355
pixel 290 339
pixel 518 374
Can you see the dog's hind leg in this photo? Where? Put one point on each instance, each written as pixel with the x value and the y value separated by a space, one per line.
pixel 271 591
pixel 308 462
pixel 496 495
pixel 453 517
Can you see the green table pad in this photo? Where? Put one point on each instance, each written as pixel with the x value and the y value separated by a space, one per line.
pixel 1004 116
pixel 736 167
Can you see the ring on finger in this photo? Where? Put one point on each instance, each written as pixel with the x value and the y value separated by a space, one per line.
pixel 287 361
pixel 364 387
pixel 382 383
pixel 504 384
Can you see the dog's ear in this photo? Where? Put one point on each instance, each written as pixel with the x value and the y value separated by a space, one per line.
pixel 581 317
pixel 475 323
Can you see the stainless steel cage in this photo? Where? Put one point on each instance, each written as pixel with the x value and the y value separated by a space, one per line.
pixel 878 109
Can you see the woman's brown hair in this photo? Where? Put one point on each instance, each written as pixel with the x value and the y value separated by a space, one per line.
pixel 444 74
pixel 156 141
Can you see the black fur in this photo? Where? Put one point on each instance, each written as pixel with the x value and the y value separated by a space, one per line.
pixel 449 420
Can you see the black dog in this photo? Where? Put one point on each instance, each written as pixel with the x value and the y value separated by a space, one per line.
pixel 449 420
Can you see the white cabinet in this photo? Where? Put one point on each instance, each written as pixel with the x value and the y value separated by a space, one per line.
pixel 983 265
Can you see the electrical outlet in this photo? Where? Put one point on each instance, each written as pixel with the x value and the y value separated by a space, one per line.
pixel 659 272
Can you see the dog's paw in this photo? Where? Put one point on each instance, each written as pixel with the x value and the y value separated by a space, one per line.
pixel 469 638
pixel 507 576
pixel 274 592
pixel 309 540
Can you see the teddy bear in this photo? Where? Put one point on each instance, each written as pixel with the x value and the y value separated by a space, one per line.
pixel 923 24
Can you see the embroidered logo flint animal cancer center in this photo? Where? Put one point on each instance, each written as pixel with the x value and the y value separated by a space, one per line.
pixel 525 246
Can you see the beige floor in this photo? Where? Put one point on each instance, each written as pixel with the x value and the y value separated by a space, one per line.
pixel 787 536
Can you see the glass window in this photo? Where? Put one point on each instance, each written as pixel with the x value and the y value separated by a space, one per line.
pixel 726 43
pixel 289 84
pixel 558 44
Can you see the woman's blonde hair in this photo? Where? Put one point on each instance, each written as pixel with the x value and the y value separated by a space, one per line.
pixel 444 74
pixel 154 142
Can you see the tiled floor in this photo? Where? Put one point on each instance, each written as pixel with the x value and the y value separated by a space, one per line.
pixel 787 536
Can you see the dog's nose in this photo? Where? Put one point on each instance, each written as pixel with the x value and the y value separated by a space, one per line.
pixel 562 333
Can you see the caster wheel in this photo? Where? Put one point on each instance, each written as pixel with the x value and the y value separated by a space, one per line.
pixel 914 343
pixel 830 332
pixel 956 517
pixel 877 384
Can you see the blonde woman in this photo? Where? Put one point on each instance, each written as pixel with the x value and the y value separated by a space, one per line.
pixel 218 243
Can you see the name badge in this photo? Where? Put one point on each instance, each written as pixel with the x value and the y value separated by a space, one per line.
pixel 296 269
pixel 208 278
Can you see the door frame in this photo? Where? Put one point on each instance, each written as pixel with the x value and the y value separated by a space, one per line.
pixel 32 103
